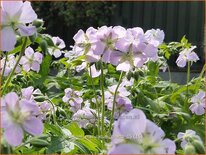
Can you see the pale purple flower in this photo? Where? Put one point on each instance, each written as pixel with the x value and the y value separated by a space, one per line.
pixel 27 92
pixel 106 37
pixel 187 137
pixel 125 61
pixel 127 83
pixel 85 117
pixel 187 55
pixel 122 102
pixel 45 107
pixel 133 130
pixel 19 115
pixel 132 41
pixel 15 15
pixel 84 44
pixel 94 73
pixel 73 97
pixel 10 63
pixel 31 60
pixel 58 46
pixel 155 37
pixel 198 106
pixel 79 68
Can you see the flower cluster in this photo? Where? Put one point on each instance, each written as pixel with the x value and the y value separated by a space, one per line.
pixel 198 106
pixel 134 134
pixel 124 48
pixel 29 94
pixel 73 98
pixel 31 60
pixel 187 55
pixel 122 102
pixel 85 117
pixel 15 17
pixel 8 64
pixel 58 46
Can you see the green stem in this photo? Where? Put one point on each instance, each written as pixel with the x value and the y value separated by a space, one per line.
pixel 17 62
pixel 97 103
pixel 4 65
pixel 202 72
pixel 103 100
pixel 114 101
pixel 170 77
pixel 188 79
pixel 54 112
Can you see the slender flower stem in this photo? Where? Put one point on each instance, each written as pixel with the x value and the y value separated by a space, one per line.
pixel 4 65
pixel 97 103
pixel 17 62
pixel 188 79
pixel 170 77
pixel 114 101
pixel 103 100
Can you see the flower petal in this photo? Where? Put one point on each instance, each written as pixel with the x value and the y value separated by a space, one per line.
pixel 8 39
pixel 14 134
pixel 29 52
pixel 124 66
pixel 125 149
pixel 35 66
pixel 33 126
pixel 12 7
pixel 57 53
pixel 27 92
pixel 12 100
pixel 28 15
pixel 26 30
pixel 136 120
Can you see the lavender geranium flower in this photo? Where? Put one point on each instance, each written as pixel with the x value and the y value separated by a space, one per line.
pixel 187 55
pixel 134 39
pixel 73 98
pixel 31 60
pixel 142 136
pixel 122 102
pixel 198 106
pixel 105 39
pixel 44 109
pixel 155 37
pixel 187 137
pixel 14 17
pixel 79 68
pixel 85 117
pixel 10 63
pixel 94 73
pixel 84 44
pixel 19 115
pixel 58 46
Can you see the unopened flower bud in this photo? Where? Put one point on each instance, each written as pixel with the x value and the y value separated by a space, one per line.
pixel 189 149
pixel 198 146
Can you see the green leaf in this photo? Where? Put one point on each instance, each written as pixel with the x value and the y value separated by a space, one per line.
pixel 39 142
pixel 55 145
pixel 44 70
pixel 54 129
pixel 18 48
pixel 75 129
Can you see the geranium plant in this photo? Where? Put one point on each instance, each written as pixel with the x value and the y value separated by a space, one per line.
pixel 104 95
